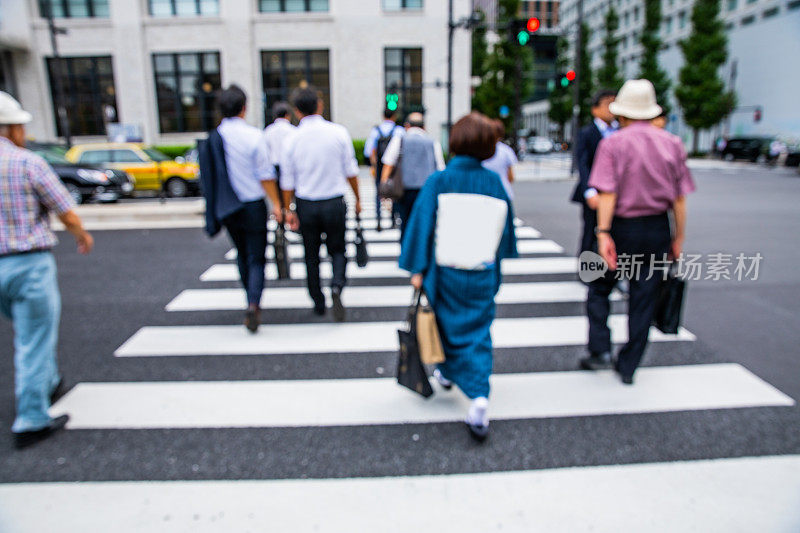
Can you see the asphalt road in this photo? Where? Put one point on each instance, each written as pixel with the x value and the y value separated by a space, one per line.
pixel 132 275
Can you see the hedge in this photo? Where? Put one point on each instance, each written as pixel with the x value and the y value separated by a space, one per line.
pixel 358 144
pixel 174 150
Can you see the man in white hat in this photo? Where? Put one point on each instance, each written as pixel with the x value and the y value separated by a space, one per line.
pixel 29 293
pixel 641 176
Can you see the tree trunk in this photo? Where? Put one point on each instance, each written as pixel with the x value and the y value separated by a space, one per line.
pixel 695 141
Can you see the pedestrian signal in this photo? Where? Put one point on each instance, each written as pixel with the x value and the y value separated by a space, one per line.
pixel 392 100
pixel 523 37
pixel 533 24
pixel 570 75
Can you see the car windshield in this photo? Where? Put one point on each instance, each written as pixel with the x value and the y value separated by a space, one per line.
pixel 52 157
pixel 155 155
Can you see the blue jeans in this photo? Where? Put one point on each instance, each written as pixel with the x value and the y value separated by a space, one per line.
pixel 29 297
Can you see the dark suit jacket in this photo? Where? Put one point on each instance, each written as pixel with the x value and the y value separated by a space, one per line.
pixel 221 199
pixel 586 146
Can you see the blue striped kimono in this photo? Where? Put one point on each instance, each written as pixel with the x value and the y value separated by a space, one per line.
pixel 462 299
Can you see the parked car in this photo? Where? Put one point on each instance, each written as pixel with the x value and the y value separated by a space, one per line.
pixel 750 148
pixel 793 157
pixel 540 145
pixel 87 182
pixel 152 170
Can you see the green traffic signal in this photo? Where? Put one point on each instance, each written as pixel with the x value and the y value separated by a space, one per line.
pixel 392 100
pixel 523 37
pixel 564 82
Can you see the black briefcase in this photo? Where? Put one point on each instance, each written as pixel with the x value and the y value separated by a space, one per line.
pixel 669 305
pixel 410 370
pixel 281 257
pixel 362 257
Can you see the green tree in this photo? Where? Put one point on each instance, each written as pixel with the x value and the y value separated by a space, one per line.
pixel 561 97
pixel 608 77
pixel 649 68
pixel 501 79
pixel 480 47
pixel 701 92
pixel 586 80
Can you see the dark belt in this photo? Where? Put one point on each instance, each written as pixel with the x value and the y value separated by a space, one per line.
pixel 25 252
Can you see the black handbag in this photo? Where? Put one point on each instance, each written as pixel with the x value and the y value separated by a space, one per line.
pixel 669 304
pixel 362 257
pixel 410 370
pixel 281 257
pixel 392 188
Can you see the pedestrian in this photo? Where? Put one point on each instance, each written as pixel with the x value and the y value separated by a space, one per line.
pixel 460 230
pixel 275 134
pixel 661 121
pixel 419 156
pixel 29 293
pixel 641 177
pixel 237 174
pixel 597 306
pixel 374 149
pixel 504 158
pixel 317 164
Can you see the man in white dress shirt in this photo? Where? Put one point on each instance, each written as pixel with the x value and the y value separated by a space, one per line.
pixel 275 134
pixel 317 163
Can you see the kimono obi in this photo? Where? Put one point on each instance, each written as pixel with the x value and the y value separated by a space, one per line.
pixel 468 230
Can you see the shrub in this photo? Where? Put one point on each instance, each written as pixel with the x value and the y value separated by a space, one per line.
pixel 174 150
pixel 358 145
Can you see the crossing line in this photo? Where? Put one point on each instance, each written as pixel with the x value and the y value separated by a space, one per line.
pixel 390 269
pixel 380 401
pixel 355 337
pixel 297 297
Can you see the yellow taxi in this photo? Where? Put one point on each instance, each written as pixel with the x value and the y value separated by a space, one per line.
pixel 152 170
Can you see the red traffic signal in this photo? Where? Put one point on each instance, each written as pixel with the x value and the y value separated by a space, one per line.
pixel 570 75
pixel 533 24
pixel 757 115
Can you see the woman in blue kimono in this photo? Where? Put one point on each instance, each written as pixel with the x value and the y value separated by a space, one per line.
pixel 459 231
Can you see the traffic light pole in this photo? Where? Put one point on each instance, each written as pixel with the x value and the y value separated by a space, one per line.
pixel 517 105
pixel 576 94
pixel 61 108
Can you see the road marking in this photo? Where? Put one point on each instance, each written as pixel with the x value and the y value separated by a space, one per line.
pixel 354 337
pixel 390 269
pixel 741 494
pixel 341 402
pixel 395 296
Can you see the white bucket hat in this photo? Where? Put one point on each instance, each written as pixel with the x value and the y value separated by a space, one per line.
pixel 11 112
pixel 636 100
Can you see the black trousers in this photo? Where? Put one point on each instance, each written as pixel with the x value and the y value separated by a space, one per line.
pixel 247 228
pixel 328 217
pixel 588 238
pixel 648 237
pixel 404 207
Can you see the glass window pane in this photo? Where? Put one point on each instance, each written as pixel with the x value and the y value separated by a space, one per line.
pixel 414 58
pixel 209 7
pixel 295 60
pixel 188 63
pixel 101 8
pixel 413 4
pixel 210 63
pixel 163 63
pixel 319 59
pixel 295 5
pixel 78 8
pixel 318 5
pixel 392 5
pixel 269 6
pixel 161 8
pixel 393 57
pixel 126 156
pixel 301 67
pixel 55 5
pixel 185 7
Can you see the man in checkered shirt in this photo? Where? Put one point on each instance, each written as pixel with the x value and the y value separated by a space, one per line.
pixel 29 295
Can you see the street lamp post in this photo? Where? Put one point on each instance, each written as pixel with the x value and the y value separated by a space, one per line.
pixel 58 68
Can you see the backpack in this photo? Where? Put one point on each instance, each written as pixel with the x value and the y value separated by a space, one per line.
pixel 381 146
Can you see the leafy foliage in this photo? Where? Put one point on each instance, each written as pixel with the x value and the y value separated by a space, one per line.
pixel 585 79
pixel 609 77
pixel 701 92
pixel 561 97
pixel 480 47
pixel 649 68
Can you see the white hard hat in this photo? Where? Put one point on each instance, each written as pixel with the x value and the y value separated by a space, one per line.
pixel 636 100
pixel 11 112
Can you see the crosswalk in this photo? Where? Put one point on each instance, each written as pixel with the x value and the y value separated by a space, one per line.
pixel 321 380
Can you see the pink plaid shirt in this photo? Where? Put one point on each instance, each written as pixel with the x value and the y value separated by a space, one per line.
pixel 29 190
pixel 645 166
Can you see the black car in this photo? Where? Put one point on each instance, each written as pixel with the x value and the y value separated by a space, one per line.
pixel 86 182
pixel 750 148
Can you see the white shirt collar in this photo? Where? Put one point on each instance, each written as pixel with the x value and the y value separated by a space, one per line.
pixel 308 119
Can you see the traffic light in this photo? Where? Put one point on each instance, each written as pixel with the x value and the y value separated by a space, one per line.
pixel 522 29
pixel 392 101
pixel 523 37
pixel 533 24
pixel 570 75
pixel 757 115
pixel 567 78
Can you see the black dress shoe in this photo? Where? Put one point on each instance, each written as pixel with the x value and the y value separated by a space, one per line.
pixel 627 379
pixel 597 361
pixel 29 438
pixel 319 310
pixel 251 320
pixel 339 313
pixel 478 433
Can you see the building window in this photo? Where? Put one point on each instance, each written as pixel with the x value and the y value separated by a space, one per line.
pixel 7 80
pixel 186 91
pixel 283 71
pixel 90 97
pixel 682 19
pixel 748 20
pixel 74 8
pixel 732 5
pixel 794 4
pixel 399 5
pixel 183 8
pixel 291 6
pixel 752 1
pixel 403 77
pixel 769 13
pixel 668 25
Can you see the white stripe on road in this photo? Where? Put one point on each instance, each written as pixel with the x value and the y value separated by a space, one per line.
pixel 155 341
pixel 343 402
pixel 390 269
pixel 741 494
pixel 297 297
pixel 366 223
